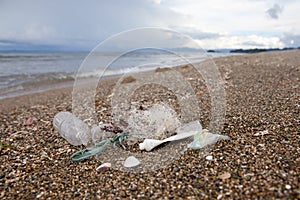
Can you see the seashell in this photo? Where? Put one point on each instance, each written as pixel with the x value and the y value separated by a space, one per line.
pixel 104 166
pixel 131 161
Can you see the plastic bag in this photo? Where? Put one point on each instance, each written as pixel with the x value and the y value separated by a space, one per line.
pixel 159 122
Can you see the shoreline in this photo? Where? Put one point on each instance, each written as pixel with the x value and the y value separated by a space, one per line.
pixel 46 84
pixel 261 158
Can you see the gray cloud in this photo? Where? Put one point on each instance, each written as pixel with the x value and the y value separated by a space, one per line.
pixel 201 34
pixel 291 40
pixel 274 11
pixel 78 23
pixel 253 44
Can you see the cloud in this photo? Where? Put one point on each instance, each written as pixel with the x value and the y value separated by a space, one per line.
pixel 195 32
pixel 291 40
pixel 274 11
pixel 147 38
pixel 237 42
pixel 81 24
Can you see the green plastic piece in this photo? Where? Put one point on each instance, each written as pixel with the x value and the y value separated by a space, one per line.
pixel 99 147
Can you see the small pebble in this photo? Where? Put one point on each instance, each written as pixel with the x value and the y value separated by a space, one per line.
pixel 39 195
pixel 209 157
pixel 224 176
pixel 288 187
pixel 44 154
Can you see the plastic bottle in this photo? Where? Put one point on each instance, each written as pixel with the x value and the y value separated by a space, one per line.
pixel 75 131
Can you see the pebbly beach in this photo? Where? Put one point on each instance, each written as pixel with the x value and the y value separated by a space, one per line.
pixel 260 161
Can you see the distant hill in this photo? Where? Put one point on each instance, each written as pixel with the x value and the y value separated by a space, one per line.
pixel 260 50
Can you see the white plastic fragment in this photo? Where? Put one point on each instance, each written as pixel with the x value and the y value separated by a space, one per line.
pixel 150 144
pixel 131 161
pixel 185 131
pixel 104 166
pixel 205 138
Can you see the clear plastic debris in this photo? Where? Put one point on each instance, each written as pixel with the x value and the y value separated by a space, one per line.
pixel 205 138
pixel 75 131
pixel 155 126
pixel 99 134
pixel 191 126
pixel 159 122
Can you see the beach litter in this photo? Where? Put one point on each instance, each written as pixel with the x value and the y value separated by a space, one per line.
pixel 74 130
pixel 99 147
pixel 185 131
pixel 159 121
pixel 204 138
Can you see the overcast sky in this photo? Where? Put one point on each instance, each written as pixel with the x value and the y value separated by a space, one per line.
pixel 212 24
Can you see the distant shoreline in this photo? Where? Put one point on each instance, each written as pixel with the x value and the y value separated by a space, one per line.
pixel 182 50
pixel 256 50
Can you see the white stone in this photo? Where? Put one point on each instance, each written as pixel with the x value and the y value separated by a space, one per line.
pixel 131 161
pixel 209 157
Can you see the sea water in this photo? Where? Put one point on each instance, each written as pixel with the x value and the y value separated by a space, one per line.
pixel 22 73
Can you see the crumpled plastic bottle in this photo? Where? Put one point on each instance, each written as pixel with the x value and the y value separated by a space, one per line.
pixel 75 131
